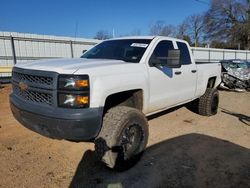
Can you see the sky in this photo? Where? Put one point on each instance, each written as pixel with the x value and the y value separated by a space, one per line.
pixel 84 18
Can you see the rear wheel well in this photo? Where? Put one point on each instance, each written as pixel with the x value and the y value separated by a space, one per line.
pixel 211 82
pixel 131 98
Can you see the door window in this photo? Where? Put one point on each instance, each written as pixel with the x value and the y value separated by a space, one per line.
pixel 184 53
pixel 161 50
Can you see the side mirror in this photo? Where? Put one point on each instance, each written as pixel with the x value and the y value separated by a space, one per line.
pixel 84 51
pixel 173 59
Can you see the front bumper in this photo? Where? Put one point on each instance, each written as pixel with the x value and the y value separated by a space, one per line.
pixel 58 123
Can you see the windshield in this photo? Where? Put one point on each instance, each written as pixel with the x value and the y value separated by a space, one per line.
pixel 243 65
pixel 233 65
pixel 130 50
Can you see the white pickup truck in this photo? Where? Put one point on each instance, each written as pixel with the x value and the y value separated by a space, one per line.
pixel 105 96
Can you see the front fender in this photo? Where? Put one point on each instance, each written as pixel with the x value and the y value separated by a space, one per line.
pixel 102 87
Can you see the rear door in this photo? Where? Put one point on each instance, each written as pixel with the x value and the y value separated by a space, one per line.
pixel 188 73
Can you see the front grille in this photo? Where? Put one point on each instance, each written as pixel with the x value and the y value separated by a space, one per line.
pixel 33 96
pixel 41 80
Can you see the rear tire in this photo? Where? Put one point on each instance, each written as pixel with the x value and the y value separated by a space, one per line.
pixel 209 102
pixel 123 137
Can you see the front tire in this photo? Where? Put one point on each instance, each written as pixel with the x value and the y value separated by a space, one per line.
pixel 123 137
pixel 209 102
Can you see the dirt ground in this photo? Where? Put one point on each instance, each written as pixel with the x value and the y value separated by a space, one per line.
pixel 184 150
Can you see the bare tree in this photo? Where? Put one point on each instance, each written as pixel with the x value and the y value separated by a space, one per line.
pixel 156 28
pixel 102 35
pixel 135 32
pixel 160 28
pixel 225 24
pixel 193 27
pixel 169 30
pixel 182 32
pixel 227 21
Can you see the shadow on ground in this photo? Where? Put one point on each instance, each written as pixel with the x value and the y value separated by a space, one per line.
pixel 242 118
pixel 192 160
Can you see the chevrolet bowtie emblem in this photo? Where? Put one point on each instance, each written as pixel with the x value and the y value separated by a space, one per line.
pixel 23 86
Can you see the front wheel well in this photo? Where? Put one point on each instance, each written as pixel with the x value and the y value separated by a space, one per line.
pixel 130 98
pixel 211 82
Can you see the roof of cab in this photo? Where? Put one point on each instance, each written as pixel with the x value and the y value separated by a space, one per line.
pixel 147 37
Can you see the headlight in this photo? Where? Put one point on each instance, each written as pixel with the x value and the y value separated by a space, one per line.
pixel 73 82
pixel 73 91
pixel 73 100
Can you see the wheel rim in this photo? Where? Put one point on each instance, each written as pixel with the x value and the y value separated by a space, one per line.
pixel 215 104
pixel 131 139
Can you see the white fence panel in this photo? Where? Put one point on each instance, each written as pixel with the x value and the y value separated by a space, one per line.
pixel 25 47
pixel 28 47
pixel 216 55
pixel 241 55
pixel 230 55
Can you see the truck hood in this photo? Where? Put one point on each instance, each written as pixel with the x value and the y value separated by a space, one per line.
pixel 68 66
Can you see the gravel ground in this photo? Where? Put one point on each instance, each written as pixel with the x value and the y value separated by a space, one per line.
pixel 184 150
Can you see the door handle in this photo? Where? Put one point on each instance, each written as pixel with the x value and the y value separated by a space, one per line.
pixel 193 71
pixel 178 72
